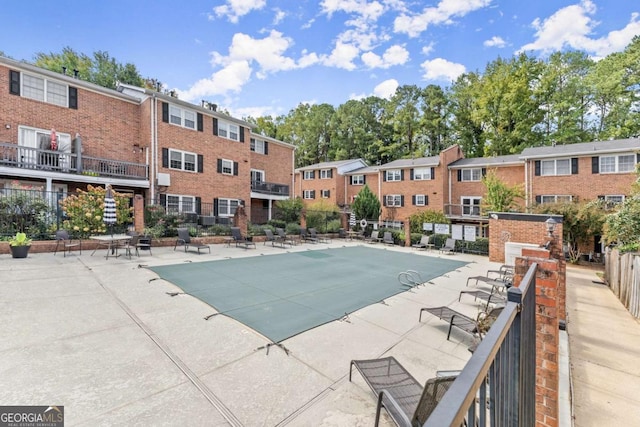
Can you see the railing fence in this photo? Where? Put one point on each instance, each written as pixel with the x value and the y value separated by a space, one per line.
pixel 622 274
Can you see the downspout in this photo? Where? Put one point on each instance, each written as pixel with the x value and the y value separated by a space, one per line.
pixel 293 173
pixel 526 184
pixel 153 146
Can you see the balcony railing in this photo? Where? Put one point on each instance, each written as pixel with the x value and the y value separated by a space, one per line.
pixel 19 156
pixel 469 211
pixel 269 188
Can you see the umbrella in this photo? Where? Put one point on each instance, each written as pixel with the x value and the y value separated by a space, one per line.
pixel 352 220
pixel 109 214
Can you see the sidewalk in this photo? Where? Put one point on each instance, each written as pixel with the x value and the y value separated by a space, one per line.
pixel 604 346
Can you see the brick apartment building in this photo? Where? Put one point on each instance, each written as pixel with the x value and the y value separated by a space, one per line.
pixel 188 158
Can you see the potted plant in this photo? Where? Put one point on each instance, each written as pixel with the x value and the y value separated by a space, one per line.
pixel 20 245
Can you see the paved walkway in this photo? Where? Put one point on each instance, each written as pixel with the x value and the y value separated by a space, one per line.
pixel 604 348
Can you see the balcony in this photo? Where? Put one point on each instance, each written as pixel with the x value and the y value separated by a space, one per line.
pixel 463 211
pixel 18 156
pixel 270 188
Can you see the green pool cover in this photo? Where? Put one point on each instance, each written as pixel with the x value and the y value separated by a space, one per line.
pixel 283 295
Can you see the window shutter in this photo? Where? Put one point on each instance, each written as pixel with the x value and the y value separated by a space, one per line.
pixel 165 157
pixel 638 158
pixel 537 167
pixel 364 179
pixel 165 112
pixel 411 176
pixel 219 166
pixel 413 198
pixel 384 175
pixel 384 201
pixel 235 168
pixel 574 165
pixel 459 175
pixel 433 173
pixel 215 126
pixel 241 134
pixel 313 194
pixel 595 164
pixel 266 147
pixel 330 173
pixel 401 201
pixel 73 97
pixel 538 199
pixel 163 200
pixel 313 174
pixel 484 171
pixel 200 124
pixel 600 197
pixel 200 163
pixel 328 193
pixel 198 205
pixel 14 82
pixel 401 174
pixel 426 199
pixel 215 206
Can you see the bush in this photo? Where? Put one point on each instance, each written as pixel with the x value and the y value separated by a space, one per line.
pixel 292 228
pixel 333 226
pixel 277 223
pixel 24 210
pixel 320 214
pixel 289 210
pixel 415 238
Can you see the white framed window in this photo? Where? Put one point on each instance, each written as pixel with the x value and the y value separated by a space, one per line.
pixel 257 175
pixel 420 200
pixel 325 174
pixel 308 175
pixel 182 117
pixel 393 200
pixel 396 225
pixel 471 174
pixel 471 206
pixel 41 139
pixel 555 198
pixel 357 179
pixel 555 167
pixel 421 174
pixel 257 145
pixel 182 160
pixel 45 90
pixel 227 207
pixel 621 163
pixel 325 194
pixel 309 194
pixel 393 175
pixel 227 166
pixel 180 204
pixel 228 130
pixel 614 198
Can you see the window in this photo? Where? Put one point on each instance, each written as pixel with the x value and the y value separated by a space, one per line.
pixel 357 179
pixel 614 199
pixel 554 198
pixel 182 160
pixel 309 194
pixel 471 174
pixel 421 174
pixel 393 175
pixel 258 146
pixel 181 117
pixel 471 206
pixel 555 167
pixel 227 167
pixel 613 164
pixel 309 175
pixel 420 200
pixel 257 176
pixel 227 207
pixel 180 204
pixel 393 200
pixel 44 90
pixel 325 174
pixel 228 130
pixel 325 194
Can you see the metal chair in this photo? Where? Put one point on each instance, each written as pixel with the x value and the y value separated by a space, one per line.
pixel 62 237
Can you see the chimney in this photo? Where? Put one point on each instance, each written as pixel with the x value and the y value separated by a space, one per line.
pixel 205 104
pixel 64 70
pixel 75 73
pixel 213 107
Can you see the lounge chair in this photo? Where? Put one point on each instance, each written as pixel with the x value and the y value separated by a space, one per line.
pixel 504 270
pixel 342 233
pixel 315 236
pixel 270 237
pixel 374 238
pixel 496 296
pixel 449 246
pixel 240 240
pixel 306 237
pixel 62 237
pixel 283 237
pixel 387 238
pixel 476 327
pixel 424 243
pixel 184 239
pixel 504 281
pixel 407 402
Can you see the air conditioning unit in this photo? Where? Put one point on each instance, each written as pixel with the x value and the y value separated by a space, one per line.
pixel 164 179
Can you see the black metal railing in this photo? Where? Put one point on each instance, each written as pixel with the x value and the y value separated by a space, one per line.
pixel 471 211
pixel 270 188
pixel 497 386
pixel 19 156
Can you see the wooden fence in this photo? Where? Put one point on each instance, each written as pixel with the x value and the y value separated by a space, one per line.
pixel 622 274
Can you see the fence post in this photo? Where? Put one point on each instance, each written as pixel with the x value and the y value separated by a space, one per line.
pixel 517 385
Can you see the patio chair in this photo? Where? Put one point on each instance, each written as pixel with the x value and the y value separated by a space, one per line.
pixel 502 271
pixel 449 246
pixel 407 402
pixel 314 235
pixel 374 238
pixel 424 243
pixel 240 240
pixel 496 296
pixel 505 281
pixel 62 237
pixel 185 240
pixel 306 237
pixel 342 233
pixel 270 237
pixel 387 238
pixel 476 327
pixel 283 237
pixel 135 244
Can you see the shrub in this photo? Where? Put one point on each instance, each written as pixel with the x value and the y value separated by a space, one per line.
pixel 333 226
pixel 277 223
pixel 23 209
pixel 292 228
pixel 320 214
pixel 429 216
pixel 289 210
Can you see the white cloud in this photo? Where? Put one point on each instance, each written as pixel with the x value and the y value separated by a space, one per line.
pixel 235 9
pixel 443 13
pixel 278 16
pixel 441 69
pixel 230 79
pixel 571 27
pixel 395 55
pixel 386 89
pixel 255 111
pixel 342 56
pixel 495 41
pixel 426 50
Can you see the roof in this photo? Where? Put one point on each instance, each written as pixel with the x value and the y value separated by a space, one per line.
pixel 582 149
pixel 409 163
pixel 329 165
pixel 364 170
pixel 513 159
pixel 273 140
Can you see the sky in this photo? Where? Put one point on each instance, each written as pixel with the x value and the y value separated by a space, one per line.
pixel 264 57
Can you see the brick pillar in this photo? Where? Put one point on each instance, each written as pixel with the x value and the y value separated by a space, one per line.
pixel 549 282
pixel 407 233
pixel 240 220
pixel 303 219
pixel 138 213
pixel 344 221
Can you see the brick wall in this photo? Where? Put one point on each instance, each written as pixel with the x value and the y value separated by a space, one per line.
pixel 335 185
pixel 371 180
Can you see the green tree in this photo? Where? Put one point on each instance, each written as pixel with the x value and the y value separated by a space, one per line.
pixel 426 216
pixel 622 227
pixel 404 111
pixel 289 210
pixel 466 127
pixel 366 205
pixel 435 115
pixel 499 197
